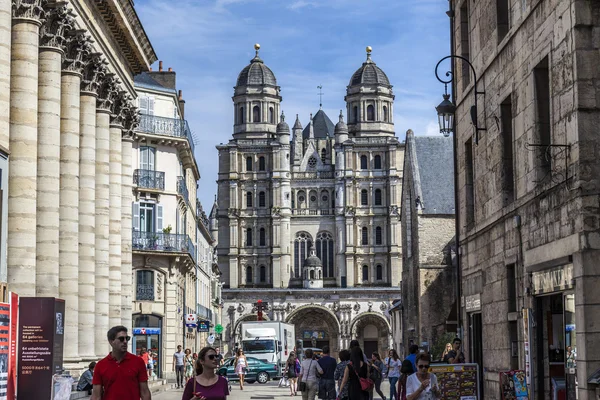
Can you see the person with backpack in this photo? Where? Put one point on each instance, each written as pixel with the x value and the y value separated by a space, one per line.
pixel 356 370
pixel 377 367
pixel 393 363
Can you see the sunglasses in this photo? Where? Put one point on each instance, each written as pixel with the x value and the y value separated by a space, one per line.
pixel 211 356
pixel 124 338
pixel 423 366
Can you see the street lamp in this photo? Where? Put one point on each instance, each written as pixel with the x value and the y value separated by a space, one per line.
pixel 446 109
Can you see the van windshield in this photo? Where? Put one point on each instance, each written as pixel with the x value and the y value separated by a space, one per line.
pixel 259 346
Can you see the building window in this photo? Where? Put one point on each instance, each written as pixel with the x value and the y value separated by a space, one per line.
pixel 355 114
pixel 364 197
pixel 379 272
pixel 146 217
pixel 465 43
pixel 377 161
pixel 377 197
pixel 385 114
pixel 302 244
pixel 271 115
pixel 323 154
pixel 363 162
pixel 256 114
pixel 262 237
pixel 324 245
pixel 507 150
pixel 541 77
pixel 263 274
pixel 248 199
pixel 249 237
pixel 262 202
pixel 364 236
pixel 370 113
pixel 145 285
pixel 365 273
pixel 378 236
pixel 249 275
pixel 312 162
pixel 241 115
pixel 262 166
pixel 147 158
pixel 469 189
pixel 249 164
pixel 503 18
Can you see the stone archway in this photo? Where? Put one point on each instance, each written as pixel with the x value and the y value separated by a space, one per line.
pixel 318 322
pixel 373 332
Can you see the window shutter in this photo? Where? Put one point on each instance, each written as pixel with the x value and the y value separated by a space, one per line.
pixel 151 158
pixel 150 105
pixel 159 218
pixel 136 216
pixel 143 102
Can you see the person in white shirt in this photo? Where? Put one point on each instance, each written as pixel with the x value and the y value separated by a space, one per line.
pixel 422 385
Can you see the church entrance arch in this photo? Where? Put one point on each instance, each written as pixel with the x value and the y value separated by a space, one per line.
pixel 316 326
pixel 373 333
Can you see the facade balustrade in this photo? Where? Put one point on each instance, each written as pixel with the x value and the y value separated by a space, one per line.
pixel 148 179
pixel 167 242
pixel 313 211
pixel 144 292
pixel 314 175
pixel 173 127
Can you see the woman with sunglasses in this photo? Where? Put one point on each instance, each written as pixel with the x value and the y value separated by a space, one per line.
pixel 241 364
pixel 422 385
pixel 206 385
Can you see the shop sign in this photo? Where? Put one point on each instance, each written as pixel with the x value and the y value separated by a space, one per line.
pixel 553 280
pixel 146 331
pixel 513 385
pixel 191 320
pixel 203 326
pixel 457 381
pixel 473 303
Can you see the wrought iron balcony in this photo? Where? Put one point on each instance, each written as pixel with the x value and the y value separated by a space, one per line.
pixel 182 189
pixel 145 292
pixel 173 127
pixel 204 312
pixel 167 242
pixel 148 179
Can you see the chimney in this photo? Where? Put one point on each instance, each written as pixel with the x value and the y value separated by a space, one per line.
pixel 181 104
pixel 164 78
pixel 160 66
pixel 170 69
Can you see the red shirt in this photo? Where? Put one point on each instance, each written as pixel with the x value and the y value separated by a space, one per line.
pixel 120 381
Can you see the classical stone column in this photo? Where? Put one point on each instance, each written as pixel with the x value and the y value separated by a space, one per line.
pixel 52 40
pixel 5 28
pixel 92 73
pixel 69 189
pixel 105 97
pixel 22 172
pixel 114 282
pixel 131 122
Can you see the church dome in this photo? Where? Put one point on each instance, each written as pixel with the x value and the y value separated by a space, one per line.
pixel 313 260
pixel 256 73
pixel 282 127
pixel 341 127
pixel 369 74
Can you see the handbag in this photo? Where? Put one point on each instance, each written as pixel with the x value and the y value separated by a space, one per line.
pixel 366 384
pixel 302 384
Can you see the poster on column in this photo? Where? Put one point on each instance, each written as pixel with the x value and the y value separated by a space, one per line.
pixel 11 387
pixel 457 381
pixel 40 347
pixel 7 379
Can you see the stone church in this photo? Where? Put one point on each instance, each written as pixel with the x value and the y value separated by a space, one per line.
pixel 308 218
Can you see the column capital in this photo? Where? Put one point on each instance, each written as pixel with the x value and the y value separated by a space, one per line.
pixel 132 121
pixel 31 11
pixel 119 109
pixel 76 46
pixel 59 21
pixel 94 70
pixel 107 91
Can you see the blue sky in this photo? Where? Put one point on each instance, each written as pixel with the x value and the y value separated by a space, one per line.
pixel 306 43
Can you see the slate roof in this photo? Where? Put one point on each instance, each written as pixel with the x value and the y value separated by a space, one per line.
pixel 322 126
pixel 436 172
pixel 146 81
pixel 256 73
pixel 370 74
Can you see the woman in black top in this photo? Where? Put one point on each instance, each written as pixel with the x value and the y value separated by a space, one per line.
pixel 354 371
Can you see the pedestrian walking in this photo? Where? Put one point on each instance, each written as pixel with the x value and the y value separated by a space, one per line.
pixel 308 380
pixel 120 375
pixel 339 374
pixel 219 356
pixel 393 363
pixel 189 365
pixel 241 366
pixel 146 358
pixel 327 381
pixel 292 369
pixel 376 375
pixel 357 368
pixel 178 366
pixel 405 371
pixel 412 357
pixel 206 385
pixel 422 385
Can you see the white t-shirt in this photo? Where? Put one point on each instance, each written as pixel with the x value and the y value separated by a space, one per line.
pixel 413 384
pixel 393 367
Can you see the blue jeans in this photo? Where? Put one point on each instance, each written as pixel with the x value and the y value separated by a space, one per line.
pixel 393 382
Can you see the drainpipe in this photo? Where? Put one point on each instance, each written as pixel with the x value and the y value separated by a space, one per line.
pixel 197 281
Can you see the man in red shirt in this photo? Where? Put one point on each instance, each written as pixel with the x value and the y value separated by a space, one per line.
pixel 120 375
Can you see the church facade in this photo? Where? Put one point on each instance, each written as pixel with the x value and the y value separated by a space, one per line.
pixel 308 218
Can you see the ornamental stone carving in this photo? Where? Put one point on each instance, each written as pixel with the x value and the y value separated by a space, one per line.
pixel 119 109
pixel 59 21
pixel 356 307
pixel 132 119
pixel 383 307
pixel 241 308
pixel 77 48
pixel 107 91
pixel 94 71
pixel 29 9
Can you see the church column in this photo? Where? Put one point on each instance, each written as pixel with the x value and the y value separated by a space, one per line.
pixel 105 95
pixel 52 40
pixel 115 193
pixel 87 205
pixel 5 32
pixel 68 227
pixel 22 171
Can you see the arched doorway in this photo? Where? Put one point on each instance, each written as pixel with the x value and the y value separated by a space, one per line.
pixel 316 326
pixel 373 332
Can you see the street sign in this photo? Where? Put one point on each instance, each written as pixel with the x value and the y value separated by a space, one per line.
pixel 218 329
pixel 211 339
pixel 190 320
pixel 203 326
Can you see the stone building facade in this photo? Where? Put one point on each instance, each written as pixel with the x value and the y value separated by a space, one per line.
pixel 428 232
pixel 67 121
pixel 334 190
pixel 528 190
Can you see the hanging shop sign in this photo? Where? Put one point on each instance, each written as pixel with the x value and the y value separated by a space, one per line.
pixel 203 326
pixel 146 331
pixel 556 279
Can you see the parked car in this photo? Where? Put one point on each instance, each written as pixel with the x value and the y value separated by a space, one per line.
pixel 258 370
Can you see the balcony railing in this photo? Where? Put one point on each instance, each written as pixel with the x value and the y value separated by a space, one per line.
pixel 168 242
pixel 307 211
pixel 173 127
pixel 182 190
pixel 147 179
pixel 204 312
pixel 314 175
pixel 145 292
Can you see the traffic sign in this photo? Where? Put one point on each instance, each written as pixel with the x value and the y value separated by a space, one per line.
pixel 218 329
